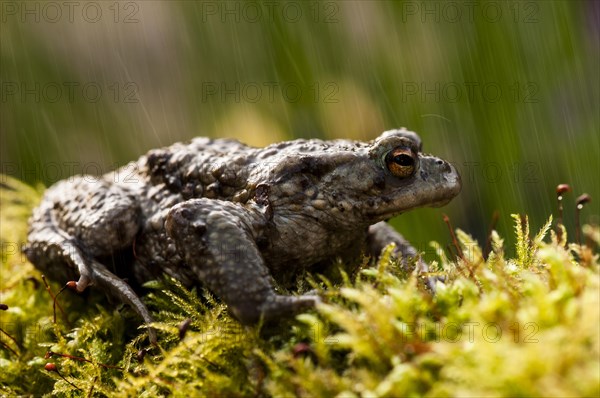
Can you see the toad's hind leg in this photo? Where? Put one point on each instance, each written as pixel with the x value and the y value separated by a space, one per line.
pixel 216 240
pixel 77 221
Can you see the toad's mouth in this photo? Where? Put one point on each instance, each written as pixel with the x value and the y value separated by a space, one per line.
pixel 385 214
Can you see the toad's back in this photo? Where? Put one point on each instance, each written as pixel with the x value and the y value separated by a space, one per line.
pixel 215 168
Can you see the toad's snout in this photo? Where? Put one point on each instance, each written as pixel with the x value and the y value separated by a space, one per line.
pixel 441 179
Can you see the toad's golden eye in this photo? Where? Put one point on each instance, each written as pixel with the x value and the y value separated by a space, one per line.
pixel 401 162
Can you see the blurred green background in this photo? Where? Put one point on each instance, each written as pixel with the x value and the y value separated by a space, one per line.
pixel 507 91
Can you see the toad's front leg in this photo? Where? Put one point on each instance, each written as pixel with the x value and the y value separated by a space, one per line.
pixel 382 234
pixel 217 240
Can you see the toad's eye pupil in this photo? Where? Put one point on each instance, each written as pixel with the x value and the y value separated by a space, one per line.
pixel 403 160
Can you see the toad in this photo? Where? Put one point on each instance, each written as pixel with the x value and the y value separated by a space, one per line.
pixel 237 219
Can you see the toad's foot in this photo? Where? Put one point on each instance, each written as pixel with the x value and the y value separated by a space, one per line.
pixel 91 273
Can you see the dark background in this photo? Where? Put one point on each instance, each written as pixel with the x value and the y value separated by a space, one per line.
pixel 507 91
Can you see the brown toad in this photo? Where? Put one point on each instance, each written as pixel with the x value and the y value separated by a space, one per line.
pixel 233 217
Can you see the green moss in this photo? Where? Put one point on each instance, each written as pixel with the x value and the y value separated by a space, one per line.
pixel 523 326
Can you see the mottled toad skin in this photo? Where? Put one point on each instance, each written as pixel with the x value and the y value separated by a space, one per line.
pixel 234 217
